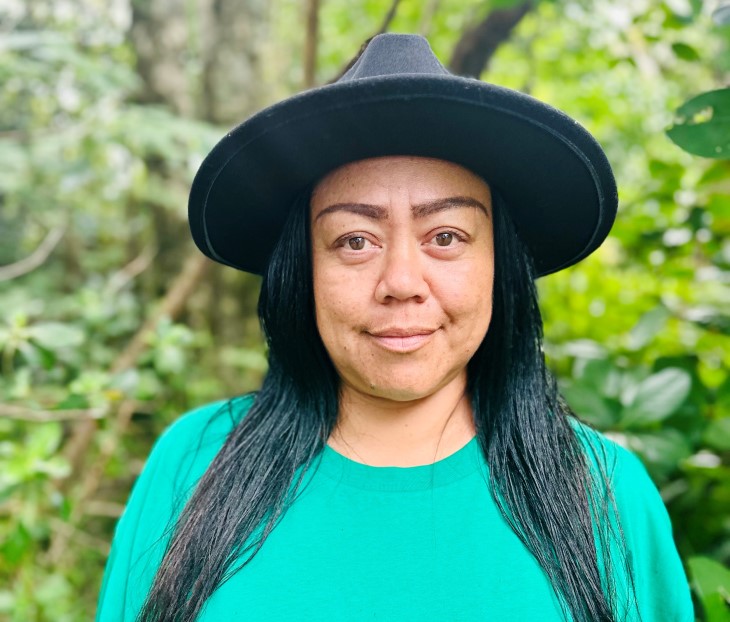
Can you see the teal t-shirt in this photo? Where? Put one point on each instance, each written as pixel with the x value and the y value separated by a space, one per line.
pixel 381 543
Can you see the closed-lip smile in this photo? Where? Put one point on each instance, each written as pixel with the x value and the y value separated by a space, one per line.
pixel 402 339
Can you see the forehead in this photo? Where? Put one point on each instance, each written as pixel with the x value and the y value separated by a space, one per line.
pixel 385 179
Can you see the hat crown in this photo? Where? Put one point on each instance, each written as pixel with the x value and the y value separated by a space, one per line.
pixel 395 54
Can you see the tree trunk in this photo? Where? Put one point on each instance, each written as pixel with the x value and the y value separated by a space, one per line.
pixel 161 40
pixel 222 39
pixel 232 36
pixel 478 44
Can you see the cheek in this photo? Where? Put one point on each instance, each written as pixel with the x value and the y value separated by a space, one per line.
pixel 336 303
pixel 467 291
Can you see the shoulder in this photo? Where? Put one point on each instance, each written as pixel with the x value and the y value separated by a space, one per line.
pixel 613 461
pixel 660 583
pixel 180 457
pixel 178 460
pixel 196 436
pixel 184 451
pixel 637 497
pixel 207 422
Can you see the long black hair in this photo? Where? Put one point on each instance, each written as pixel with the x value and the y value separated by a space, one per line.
pixel 542 477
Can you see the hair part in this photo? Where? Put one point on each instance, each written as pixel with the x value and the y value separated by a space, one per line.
pixel 560 508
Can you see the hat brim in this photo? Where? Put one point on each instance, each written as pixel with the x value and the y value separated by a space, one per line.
pixel 551 172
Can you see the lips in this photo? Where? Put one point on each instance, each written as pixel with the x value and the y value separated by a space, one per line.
pixel 402 339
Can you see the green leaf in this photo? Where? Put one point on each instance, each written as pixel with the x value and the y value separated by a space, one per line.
pixel 54 335
pixel 685 52
pixel 696 7
pixel 709 318
pixel 13 166
pixel 703 125
pixel 244 358
pixel 505 4
pixel 711 582
pixel 657 397
pixel 170 359
pixel 648 327
pixel 43 440
pixel 16 544
pixel 662 451
pixel 584 348
pixel 4 336
pixel 717 434
pixel 589 405
pixel 7 601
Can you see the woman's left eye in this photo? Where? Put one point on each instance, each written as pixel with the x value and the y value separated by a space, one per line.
pixel 444 239
pixel 447 238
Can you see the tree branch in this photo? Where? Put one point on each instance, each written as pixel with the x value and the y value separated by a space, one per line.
pixel 81 537
pixel 311 39
pixel 389 16
pixel 36 258
pixel 429 12
pixel 91 479
pixel 478 44
pixel 133 269
pixel 21 413
pixel 383 27
pixel 172 304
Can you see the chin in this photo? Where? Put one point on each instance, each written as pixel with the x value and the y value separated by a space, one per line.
pixel 400 389
pixel 400 394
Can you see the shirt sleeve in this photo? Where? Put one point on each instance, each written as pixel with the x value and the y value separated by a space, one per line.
pixel 662 589
pixel 177 461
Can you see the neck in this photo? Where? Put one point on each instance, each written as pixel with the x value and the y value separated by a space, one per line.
pixel 381 432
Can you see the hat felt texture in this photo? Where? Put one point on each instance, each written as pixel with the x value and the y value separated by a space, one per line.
pixel 397 99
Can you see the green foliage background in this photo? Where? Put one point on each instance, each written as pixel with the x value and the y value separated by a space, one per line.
pixel 639 333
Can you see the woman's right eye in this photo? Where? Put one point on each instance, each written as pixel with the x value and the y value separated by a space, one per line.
pixel 356 243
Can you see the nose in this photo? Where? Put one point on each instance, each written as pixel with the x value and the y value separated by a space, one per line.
pixel 403 274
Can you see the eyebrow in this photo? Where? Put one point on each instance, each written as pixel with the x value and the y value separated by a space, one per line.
pixel 419 210
pixel 422 210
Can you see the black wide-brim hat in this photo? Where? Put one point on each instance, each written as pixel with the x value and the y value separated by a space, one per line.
pixel 397 99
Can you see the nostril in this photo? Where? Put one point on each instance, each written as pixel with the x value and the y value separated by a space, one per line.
pixel 402 280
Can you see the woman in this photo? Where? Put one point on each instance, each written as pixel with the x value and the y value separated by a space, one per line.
pixel 408 456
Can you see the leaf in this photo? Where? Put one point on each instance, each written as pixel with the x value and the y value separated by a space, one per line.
pixel 696 7
pixel 685 52
pixel 649 326
pixel 43 441
pixel 17 544
pixel 170 359
pixel 245 358
pixel 657 397
pixel 4 336
pixel 589 405
pixel 717 434
pixel 32 40
pixel 584 348
pixel 709 318
pixel 661 451
pixel 711 582
pixel 703 125
pixel 504 4
pixel 7 601
pixel 13 166
pixel 55 335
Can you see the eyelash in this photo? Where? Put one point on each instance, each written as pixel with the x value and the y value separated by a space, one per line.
pixel 343 241
pixel 458 237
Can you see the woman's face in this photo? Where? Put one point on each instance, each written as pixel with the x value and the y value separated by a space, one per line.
pixel 403 260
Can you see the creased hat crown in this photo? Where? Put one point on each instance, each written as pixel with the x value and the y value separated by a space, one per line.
pixel 391 54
